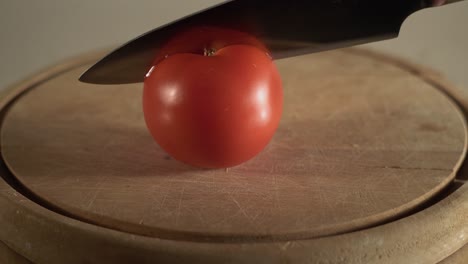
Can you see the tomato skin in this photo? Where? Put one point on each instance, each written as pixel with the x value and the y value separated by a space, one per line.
pixel 214 111
pixel 196 40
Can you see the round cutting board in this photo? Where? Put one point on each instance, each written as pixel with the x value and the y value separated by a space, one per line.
pixel 364 141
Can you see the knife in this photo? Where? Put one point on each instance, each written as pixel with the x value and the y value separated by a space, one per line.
pixel 286 28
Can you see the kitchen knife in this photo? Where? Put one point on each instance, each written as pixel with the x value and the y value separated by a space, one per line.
pixel 287 28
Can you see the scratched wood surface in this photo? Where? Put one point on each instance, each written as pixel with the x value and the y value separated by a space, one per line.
pixel 361 142
pixel 8 256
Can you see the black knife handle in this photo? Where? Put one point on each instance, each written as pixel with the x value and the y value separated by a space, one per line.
pixel 441 2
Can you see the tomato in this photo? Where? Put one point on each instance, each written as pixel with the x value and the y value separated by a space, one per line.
pixel 213 105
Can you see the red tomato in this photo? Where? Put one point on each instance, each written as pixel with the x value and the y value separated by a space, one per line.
pixel 215 109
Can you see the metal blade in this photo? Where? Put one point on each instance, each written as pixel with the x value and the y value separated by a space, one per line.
pixel 287 28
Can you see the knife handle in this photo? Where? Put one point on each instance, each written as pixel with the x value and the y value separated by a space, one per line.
pixel 443 2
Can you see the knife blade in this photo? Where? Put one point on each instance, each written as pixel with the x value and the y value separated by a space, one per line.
pixel 287 28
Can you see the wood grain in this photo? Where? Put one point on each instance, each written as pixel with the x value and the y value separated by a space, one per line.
pixel 8 256
pixel 362 141
pixel 459 257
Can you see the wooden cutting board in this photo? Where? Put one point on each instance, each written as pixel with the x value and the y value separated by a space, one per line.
pixel 365 141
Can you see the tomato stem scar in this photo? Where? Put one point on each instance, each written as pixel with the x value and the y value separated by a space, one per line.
pixel 209 52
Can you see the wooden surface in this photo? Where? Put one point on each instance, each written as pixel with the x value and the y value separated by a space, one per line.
pixel 360 142
pixel 459 257
pixel 8 256
pixel 366 165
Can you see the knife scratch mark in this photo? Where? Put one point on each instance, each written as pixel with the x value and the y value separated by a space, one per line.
pixel 370 109
pixel 180 205
pixel 98 188
pixel 241 209
pixel 161 206
pixel 275 185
